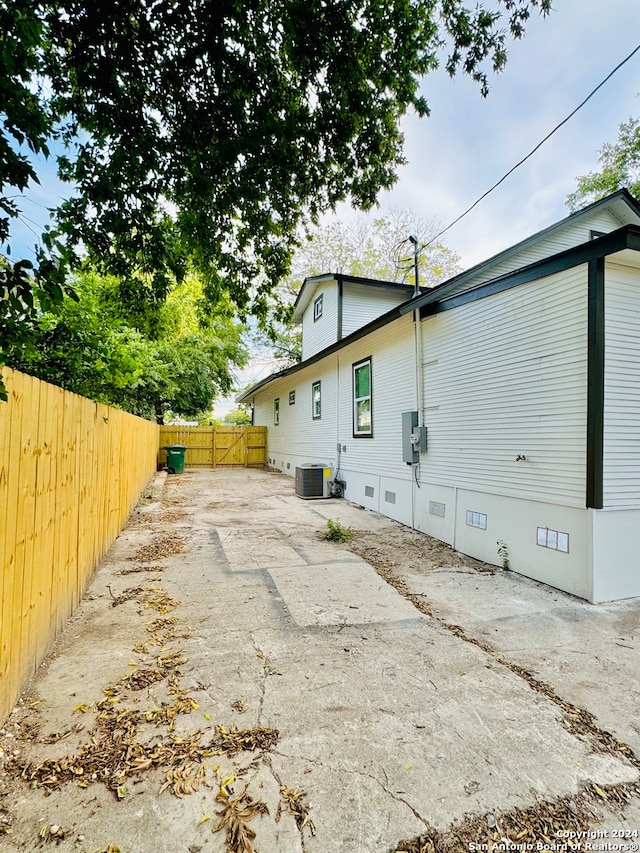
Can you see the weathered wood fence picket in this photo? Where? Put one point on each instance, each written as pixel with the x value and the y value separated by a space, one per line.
pixel 71 470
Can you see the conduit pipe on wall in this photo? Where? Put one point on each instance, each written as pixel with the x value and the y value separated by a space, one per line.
pixel 417 322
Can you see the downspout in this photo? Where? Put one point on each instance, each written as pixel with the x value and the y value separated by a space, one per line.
pixel 415 473
pixel 415 469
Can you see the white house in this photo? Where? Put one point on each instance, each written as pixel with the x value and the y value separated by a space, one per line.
pixel 525 372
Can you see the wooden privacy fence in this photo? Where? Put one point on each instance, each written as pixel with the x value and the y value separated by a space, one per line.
pixel 70 472
pixel 219 446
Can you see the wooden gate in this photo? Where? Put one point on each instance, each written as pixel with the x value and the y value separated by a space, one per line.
pixel 219 446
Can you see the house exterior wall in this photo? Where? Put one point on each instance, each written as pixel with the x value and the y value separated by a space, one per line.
pixel 616 528
pixel 502 386
pixel 375 464
pixel 515 523
pixel 375 475
pixel 621 468
pixel 616 544
pixel 299 438
pixel 361 304
pixel 321 333
pixel 506 376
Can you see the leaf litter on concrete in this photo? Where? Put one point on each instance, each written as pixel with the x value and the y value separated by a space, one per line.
pixel 563 824
pixel 234 817
pixel 123 743
pixel 163 545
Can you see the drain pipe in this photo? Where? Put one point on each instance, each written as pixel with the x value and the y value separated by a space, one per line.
pixel 418 371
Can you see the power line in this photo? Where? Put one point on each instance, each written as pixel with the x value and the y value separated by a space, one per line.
pixel 533 151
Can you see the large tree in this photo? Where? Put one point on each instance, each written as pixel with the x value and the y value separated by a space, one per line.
pixel 210 129
pixel 619 167
pixel 375 247
pixel 174 358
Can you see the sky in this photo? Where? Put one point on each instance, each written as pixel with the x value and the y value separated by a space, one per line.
pixel 469 142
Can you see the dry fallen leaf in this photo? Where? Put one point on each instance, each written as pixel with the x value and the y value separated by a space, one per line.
pixel 294 800
pixel 234 817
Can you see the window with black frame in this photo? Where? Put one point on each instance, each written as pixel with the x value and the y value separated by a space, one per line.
pixel 362 399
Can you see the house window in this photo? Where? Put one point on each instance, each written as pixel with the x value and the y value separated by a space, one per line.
pixel 362 410
pixel 276 411
pixel 317 308
pixel 292 398
pixel 316 400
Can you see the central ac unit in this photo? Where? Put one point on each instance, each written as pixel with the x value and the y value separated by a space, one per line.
pixel 312 481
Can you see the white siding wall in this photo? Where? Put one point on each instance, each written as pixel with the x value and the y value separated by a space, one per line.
pixel 504 376
pixel 365 463
pixel 622 387
pixel 299 439
pixel 573 234
pixel 362 304
pixel 377 462
pixel 321 333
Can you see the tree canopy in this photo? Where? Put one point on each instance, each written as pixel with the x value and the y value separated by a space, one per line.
pixel 375 247
pixel 204 132
pixel 173 359
pixel 619 167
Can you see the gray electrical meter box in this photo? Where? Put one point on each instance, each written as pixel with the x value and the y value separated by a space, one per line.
pixel 414 438
pixel 410 453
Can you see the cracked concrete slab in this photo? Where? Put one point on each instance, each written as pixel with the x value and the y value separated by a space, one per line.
pixel 390 723
pixel 589 653
pixel 247 550
pixel 339 593
pixel 436 723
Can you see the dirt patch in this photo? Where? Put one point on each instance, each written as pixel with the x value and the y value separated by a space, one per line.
pixel 404 549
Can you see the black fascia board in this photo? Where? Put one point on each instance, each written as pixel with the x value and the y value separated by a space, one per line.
pixel 373 326
pixel 627 237
pixel 454 283
pixel 370 282
pixel 354 279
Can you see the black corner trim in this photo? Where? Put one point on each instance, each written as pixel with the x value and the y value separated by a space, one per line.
pixel 595 383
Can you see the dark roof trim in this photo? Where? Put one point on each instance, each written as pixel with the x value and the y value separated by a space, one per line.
pixel 627 237
pixel 373 326
pixel 453 284
pixel 350 279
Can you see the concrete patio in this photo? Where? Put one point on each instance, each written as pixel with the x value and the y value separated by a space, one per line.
pixel 391 724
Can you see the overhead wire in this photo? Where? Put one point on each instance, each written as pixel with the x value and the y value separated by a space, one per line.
pixel 533 150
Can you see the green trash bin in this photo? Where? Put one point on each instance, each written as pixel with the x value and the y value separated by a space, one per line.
pixel 175 458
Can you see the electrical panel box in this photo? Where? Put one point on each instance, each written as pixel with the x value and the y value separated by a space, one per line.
pixel 420 438
pixel 410 453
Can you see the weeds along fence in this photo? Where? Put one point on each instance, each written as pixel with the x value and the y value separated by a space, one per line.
pixel 71 470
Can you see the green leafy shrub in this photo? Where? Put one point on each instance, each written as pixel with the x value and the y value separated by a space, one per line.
pixel 335 532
